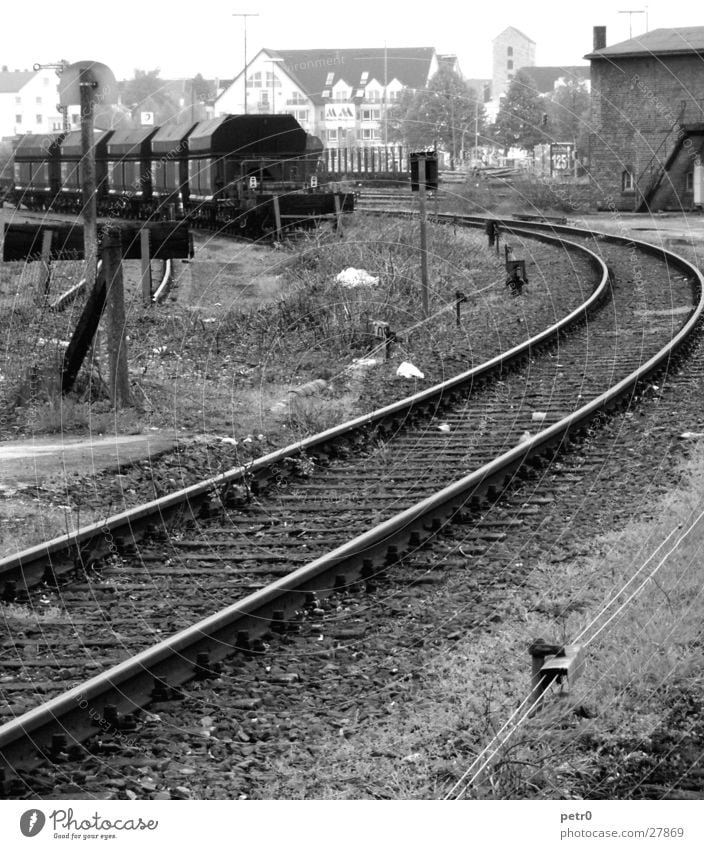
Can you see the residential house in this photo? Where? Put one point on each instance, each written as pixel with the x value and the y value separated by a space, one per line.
pixel 341 96
pixel 28 103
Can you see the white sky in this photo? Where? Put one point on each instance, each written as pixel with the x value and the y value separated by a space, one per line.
pixel 185 38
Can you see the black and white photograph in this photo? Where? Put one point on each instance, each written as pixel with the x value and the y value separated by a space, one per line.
pixel 351 423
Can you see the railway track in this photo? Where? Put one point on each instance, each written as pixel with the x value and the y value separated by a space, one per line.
pixel 264 533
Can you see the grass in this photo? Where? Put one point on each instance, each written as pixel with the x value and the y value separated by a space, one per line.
pixel 195 367
pixel 636 666
pixel 447 705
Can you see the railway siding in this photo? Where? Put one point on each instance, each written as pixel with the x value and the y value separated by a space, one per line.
pixel 489 481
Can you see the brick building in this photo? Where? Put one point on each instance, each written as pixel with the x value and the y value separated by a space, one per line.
pixel 647 119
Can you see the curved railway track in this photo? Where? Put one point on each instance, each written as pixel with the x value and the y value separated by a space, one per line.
pixel 264 534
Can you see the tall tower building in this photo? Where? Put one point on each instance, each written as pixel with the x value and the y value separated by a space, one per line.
pixel 512 50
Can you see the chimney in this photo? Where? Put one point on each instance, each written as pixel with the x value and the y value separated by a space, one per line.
pixel 599 38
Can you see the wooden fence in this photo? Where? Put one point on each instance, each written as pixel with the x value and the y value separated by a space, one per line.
pixel 371 163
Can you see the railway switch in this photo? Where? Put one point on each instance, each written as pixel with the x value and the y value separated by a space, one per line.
pixel 381 330
pixel 564 667
pixel 460 298
pixel 553 663
pixel 516 277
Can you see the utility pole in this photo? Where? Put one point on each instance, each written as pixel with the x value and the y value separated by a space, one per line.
pixel 386 83
pixel 244 16
pixel 476 129
pixel 87 167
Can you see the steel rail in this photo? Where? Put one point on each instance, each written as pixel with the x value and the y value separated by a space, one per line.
pixel 27 567
pixel 130 685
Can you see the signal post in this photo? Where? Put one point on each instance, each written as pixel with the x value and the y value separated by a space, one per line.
pixel 424 174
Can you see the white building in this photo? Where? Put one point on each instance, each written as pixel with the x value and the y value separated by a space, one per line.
pixel 341 96
pixel 28 103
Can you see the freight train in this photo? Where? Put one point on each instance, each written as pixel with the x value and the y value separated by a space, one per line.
pixel 251 173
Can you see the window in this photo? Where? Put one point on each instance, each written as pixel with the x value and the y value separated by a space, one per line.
pixel 364 78
pixel 332 135
pixel 326 92
pixel 509 76
pixel 297 97
pixel 46 81
pixel 330 77
pixel 18 119
pixel 300 114
pixel 255 80
pixel 264 98
pixel 371 114
pixel 689 182
pixel 272 80
pixel 509 51
pixel 18 101
pixel 627 182
pixel 39 101
pixel 509 64
pixel 39 119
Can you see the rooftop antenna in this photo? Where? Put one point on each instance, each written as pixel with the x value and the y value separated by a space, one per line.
pixel 631 13
pixel 245 15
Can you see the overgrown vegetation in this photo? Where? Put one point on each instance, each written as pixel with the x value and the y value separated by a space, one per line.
pixel 192 368
pixel 524 194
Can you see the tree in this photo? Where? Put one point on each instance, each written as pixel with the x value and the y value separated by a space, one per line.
pixel 519 122
pixel 445 115
pixel 568 111
pixel 203 90
pixel 147 92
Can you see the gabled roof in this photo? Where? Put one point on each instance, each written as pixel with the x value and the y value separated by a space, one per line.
pixel 311 69
pixel 545 76
pixel 11 81
pixel 680 40
pixel 516 31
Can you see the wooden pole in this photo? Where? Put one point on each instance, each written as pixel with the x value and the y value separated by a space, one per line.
pixel 338 214
pixel 2 232
pixel 146 267
pixel 88 187
pixel 45 270
pixel 115 317
pixel 277 217
pixel 423 236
